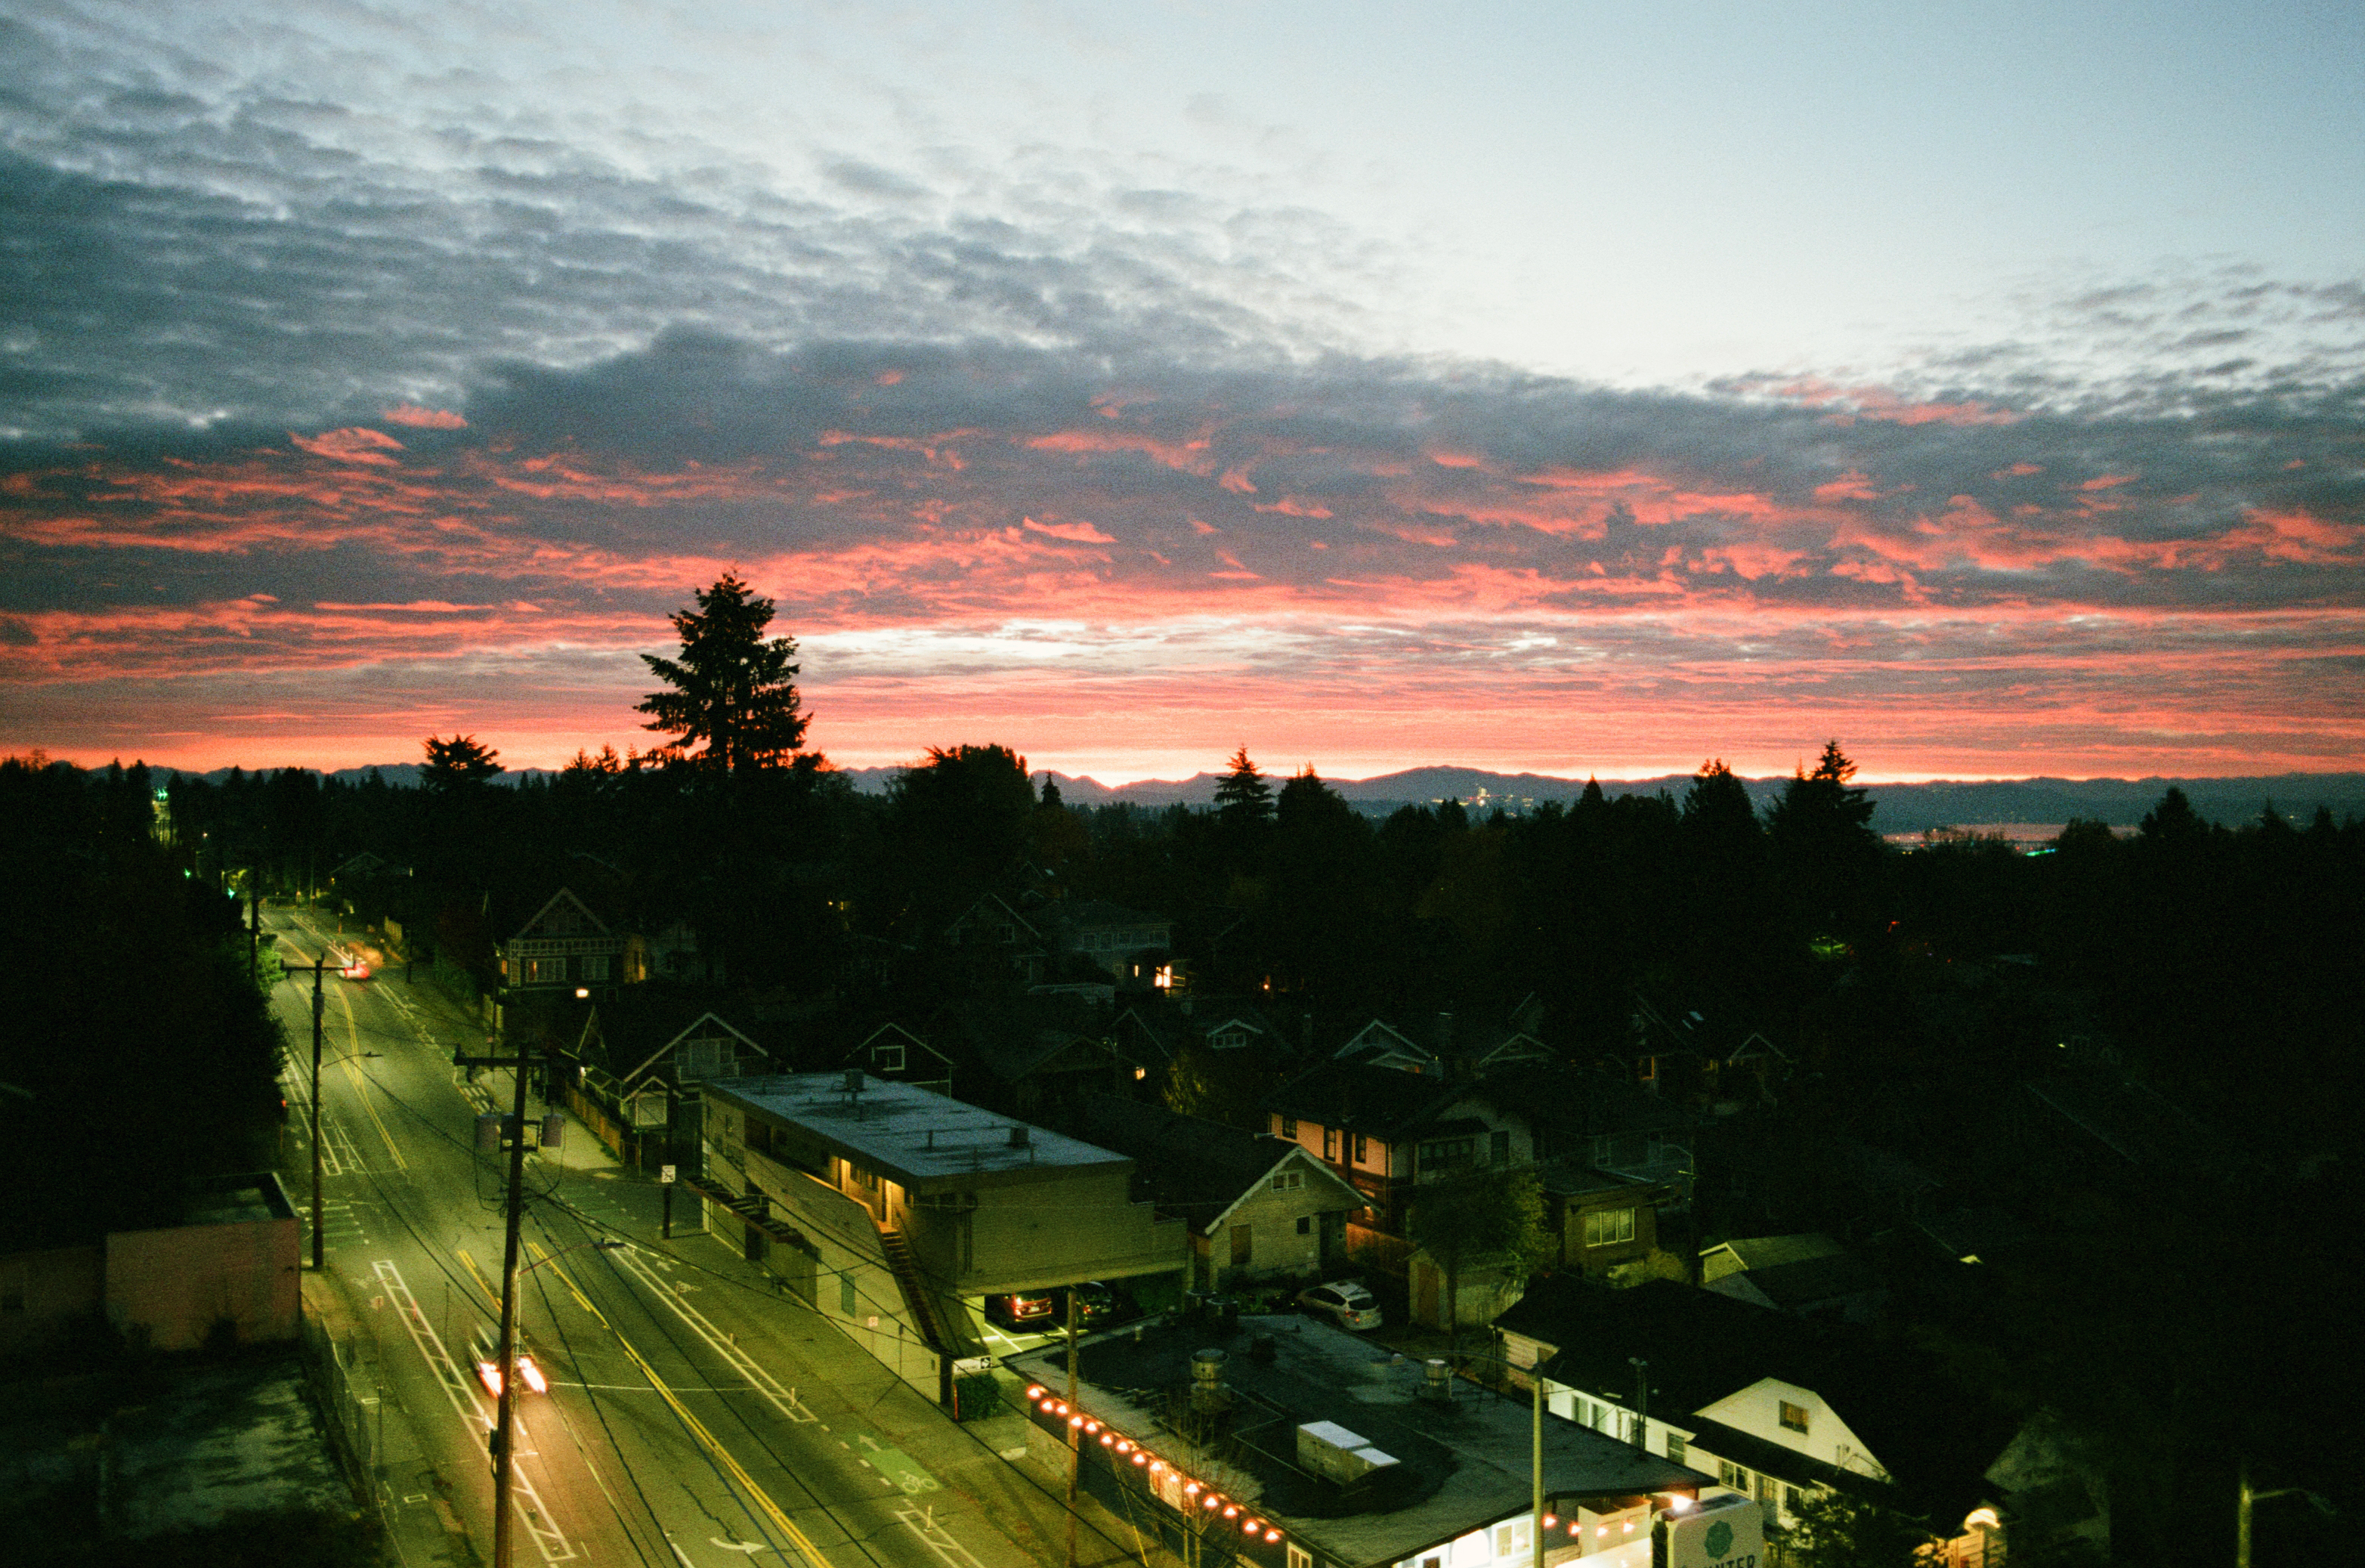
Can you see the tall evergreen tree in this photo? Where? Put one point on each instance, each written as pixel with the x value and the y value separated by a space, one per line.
pixel 734 691
pixel 1242 795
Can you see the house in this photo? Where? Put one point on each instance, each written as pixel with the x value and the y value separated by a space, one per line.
pixel 642 1052
pixel 1109 935
pixel 1290 1443
pixel 893 1052
pixel 892 1210
pixel 1385 1129
pixel 1773 1404
pixel 1809 1275
pixel 1257 1207
pixel 989 930
pixel 564 945
pixel 1384 1045
pixel 671 952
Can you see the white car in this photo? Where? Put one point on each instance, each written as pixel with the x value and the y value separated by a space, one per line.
pixel 1345 1303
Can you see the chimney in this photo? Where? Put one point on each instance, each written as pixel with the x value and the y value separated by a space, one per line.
pixel 1437 1381
pixel 853 1080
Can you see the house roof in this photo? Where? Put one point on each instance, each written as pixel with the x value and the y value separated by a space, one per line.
pixel 1378 1102
pixel 698 1029
pixel 1460 1463
pixel 1197 1169
pixel 927 1142
pixel 560 906
pixel 1804 1283
pixel 1087 915
pixel 1935 1437
pixel 1768 1251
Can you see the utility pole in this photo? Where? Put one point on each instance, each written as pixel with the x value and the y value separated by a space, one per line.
pixel 1642 1403
pixel 505 1417
pixel 254 927
pixel 1075 1430
pixel 1536 1451
pixel 320 1005
pixel 505 1420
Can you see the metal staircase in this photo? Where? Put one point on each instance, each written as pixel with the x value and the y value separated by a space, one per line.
pixel 926 1315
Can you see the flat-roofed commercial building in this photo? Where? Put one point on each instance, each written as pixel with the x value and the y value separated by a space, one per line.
pixel 894 1209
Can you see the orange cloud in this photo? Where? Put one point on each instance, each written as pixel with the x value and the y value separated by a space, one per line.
pixel 417 418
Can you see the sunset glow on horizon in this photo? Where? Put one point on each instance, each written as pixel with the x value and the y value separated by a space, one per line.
pixel 332 425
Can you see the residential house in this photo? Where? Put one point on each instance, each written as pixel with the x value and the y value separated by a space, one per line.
pixel 640 1055
pixel 1289 1443
pixel 1384 1129
pixel 990 929
pixel 892 1210
pixel 1773 1404
pixel 896 1053
pixel 1258 1208
pixel 1114 938
pixel 564 945
pixel 671 952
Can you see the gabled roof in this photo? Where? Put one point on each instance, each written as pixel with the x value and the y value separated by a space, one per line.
pixel 1199 1170
pixel 562 903
pixel 992 906
pixel 1384 1045
pixel 697 1025
pixel 1802 1285
pixel 1935 1438
pixel 895 1031
pixel 1746 1253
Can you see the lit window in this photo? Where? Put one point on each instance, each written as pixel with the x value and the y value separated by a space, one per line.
pixel 1608 1227
pixel 1794 1417
pixel 1289 1128
pixel 1676 1446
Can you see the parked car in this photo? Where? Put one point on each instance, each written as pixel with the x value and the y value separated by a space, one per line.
pixel 1345 1303
pixel 486 1346
pixel 1033 1310
pixel 1098 1305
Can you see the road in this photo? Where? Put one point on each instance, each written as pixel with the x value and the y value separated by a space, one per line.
pixel 694 1419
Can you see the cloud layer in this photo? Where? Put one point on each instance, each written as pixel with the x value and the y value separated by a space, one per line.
pixel 329 423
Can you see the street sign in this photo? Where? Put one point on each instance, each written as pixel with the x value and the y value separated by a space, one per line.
pixel 665 1172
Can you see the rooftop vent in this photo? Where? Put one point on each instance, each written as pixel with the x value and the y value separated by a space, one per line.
pixel 1437 1381
pixel 1207 1390
pixel 853 1080
pixel 1021 1135
pixel 1330 1450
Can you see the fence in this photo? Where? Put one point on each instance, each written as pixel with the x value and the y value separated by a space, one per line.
pixel 354 1407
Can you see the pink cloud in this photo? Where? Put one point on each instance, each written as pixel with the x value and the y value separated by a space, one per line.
pixel 1075 532
pixel 417 418
pixel 356 443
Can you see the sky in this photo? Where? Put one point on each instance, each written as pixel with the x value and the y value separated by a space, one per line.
pixel 1560 387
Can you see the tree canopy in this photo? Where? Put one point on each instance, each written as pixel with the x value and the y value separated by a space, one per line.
pixel 734 691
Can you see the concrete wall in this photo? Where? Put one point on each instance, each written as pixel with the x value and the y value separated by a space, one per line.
pixel 172 1288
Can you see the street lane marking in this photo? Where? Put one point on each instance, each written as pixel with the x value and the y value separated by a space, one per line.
pixel 782 1399
pixel 940 1542
pixel 691 1424
pixel 362 1086
pixel 461 1390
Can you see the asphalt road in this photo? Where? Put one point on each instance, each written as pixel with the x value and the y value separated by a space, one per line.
pixel 694 1419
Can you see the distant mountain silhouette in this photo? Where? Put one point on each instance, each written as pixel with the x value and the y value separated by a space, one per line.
pixel 1902 808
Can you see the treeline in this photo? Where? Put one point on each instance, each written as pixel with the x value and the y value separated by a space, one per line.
pixel 136 1052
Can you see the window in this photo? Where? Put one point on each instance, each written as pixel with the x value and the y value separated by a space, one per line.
pixel 1362 1148
pixel 1514 1538
pixel 1446 1153
pixel 1289 1128
pixel 1329 1143
pixel 848 1302
pixel 1305 1225
pixel 595 967
pixel 1288 1181
pixel 886 1057
pixel 1794 1417
pixel 1732 1475
pixel 1607 1228
pixel 1766 1490
pixel 545 971
pixel 1675 1445
pixel 1299 1557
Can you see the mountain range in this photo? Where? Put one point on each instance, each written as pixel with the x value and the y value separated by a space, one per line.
pixel 1900 808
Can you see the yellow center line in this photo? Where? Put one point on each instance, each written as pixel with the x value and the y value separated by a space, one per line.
pixel 697 1428
pixel 361 1084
